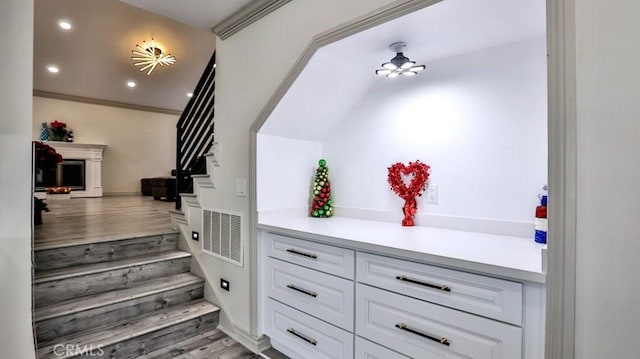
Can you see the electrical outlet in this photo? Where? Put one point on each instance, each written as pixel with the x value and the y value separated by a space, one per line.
pixel 195 236
pixel 224 284
pixel 432 194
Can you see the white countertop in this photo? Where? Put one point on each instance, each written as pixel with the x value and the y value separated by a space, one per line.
pixel 498 255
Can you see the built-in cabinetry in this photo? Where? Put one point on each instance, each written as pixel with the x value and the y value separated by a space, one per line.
pixel 322 300
pixel 309 292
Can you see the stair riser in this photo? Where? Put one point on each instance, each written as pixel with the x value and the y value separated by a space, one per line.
pixel 101 252
pixel 50 292
pixel 48 330
pixel 135 347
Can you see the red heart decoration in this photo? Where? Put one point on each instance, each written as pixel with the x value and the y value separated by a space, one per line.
pixel 420 172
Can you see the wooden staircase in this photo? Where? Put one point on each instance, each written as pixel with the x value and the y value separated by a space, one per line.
pixel 126 298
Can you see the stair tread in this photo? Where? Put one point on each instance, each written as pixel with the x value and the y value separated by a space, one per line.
pixel 85 239
pixel 114 333
pixel 186 345
pixel 143 289
pixel 69 272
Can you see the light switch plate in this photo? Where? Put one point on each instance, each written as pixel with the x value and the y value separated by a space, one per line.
pixel 241 187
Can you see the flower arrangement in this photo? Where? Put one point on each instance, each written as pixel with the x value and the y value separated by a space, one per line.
pixel 58 130
pixel 45 155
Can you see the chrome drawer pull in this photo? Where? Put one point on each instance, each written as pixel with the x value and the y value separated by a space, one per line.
pixel 291 250
pixel 442 287
pixel 441 340
pixel 303 337
pixel 307 292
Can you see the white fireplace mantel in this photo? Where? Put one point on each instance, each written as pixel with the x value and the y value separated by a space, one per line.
pixel 92 155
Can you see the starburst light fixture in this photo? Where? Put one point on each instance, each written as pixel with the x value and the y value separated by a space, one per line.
pixel 400 64
pixel 148 56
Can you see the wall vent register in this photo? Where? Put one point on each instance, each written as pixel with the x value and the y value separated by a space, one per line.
pixel 222 235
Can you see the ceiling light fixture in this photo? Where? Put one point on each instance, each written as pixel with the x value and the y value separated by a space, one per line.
pixel 53 69
pixel 64 25
pixel 148 56
pixel 131 84
pixel 400 64
pixel 189 94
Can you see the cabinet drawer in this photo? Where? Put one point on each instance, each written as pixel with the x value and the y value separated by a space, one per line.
pixel 322 295
pixel 368 350
pixel 424 330
pixel 489 297
pixel 299 335
pixel 333 260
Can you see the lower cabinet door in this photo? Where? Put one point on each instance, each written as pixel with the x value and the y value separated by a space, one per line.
pixel 368 350
pixel 301 336
pixel 420 329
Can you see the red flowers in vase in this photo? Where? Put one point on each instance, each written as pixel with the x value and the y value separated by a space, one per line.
pixel 58 130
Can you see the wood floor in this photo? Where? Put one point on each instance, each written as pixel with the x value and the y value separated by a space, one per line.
pixel 89 220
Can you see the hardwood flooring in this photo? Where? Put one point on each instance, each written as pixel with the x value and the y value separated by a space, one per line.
pixel 90 220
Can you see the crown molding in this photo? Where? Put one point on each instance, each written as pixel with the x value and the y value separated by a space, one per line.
pixel 246 16
pixel 96 101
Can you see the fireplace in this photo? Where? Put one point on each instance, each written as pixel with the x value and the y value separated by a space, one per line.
pixel 81 170
pixel 70 173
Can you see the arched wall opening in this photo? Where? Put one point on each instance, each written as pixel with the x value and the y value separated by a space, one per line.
pixel 477 115
pixel 560 326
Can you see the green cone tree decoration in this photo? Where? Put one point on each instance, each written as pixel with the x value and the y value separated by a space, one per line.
pixel 322 205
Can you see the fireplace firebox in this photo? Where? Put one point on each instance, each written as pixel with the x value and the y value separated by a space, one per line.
pixel 69 173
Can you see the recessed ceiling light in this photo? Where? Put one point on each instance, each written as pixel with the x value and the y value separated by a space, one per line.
pixel 189 94
pixel 131 84
pixel 53 69
pixel 64 25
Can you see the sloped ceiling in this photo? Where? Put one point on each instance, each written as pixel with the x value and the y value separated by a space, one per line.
pixel 201 14
pixel 339 75
pixel 95 56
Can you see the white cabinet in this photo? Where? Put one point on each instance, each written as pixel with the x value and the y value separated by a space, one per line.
pixel 368 350
pixel 310 295
pixel 302 336
pixel 318 294
pixel 330 301
pixel 421 329
pixel 486 296
pixel 329 259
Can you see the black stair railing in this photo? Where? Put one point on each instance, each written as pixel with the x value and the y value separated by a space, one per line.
pixel 195 131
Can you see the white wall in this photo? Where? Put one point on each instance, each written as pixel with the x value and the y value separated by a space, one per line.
pixel 608 188
pixel 16 40
pixel 250 66
pixel 285 171
pixel 140 144
pixel 479 120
